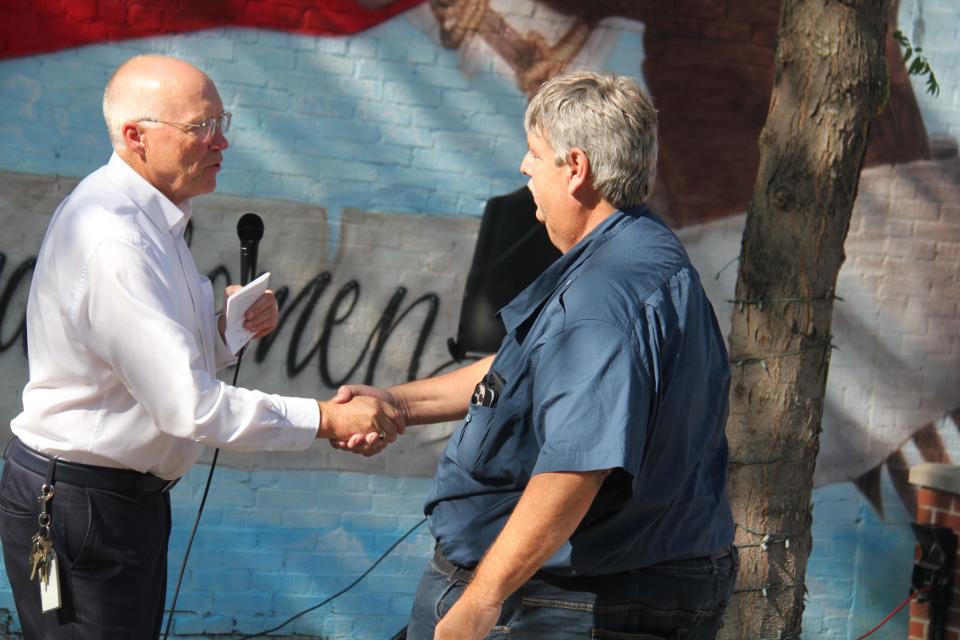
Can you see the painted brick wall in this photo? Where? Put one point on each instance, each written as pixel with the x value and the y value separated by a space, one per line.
pixel 383 121
pixel 370 157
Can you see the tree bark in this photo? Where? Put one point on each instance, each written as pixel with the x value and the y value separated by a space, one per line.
pixel 831 79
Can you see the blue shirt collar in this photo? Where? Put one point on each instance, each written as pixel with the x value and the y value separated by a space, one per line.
pixel 161 211
pixel 529 301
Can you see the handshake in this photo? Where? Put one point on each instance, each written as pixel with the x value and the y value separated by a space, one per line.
pixel 364 419
pixel 361 419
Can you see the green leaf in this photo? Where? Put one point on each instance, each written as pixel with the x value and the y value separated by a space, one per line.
pixel 920 66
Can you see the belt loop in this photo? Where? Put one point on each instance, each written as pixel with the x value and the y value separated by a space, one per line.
pixel 51 471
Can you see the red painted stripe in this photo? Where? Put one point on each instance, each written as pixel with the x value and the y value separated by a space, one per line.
pixel 39 26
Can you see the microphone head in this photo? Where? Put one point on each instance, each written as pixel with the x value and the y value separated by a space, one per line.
pixel 249 228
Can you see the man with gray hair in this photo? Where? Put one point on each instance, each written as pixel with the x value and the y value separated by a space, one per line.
pixel 123 349
pixel 583 495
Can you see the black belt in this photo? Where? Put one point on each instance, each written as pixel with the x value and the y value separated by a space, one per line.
pixel 450 569
pixel 123 481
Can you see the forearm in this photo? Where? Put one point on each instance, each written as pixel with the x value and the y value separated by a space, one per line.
pixel 551 508
pixel 440 398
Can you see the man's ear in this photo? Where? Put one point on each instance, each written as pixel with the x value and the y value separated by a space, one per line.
pixel 133 139
pixel 578 166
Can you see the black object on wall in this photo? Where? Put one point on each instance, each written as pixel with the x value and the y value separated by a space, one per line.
pixel 512 250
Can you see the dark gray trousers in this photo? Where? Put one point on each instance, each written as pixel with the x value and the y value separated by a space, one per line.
pixel 112 551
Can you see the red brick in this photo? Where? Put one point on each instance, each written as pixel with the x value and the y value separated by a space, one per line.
pixel 951 520
pixel 933 499
pixel 919 610
pixel 918 630
pixel 925 515
pixel 926 497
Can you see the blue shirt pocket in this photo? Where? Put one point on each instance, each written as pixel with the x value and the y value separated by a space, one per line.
pixel 488 445
pixel 474 434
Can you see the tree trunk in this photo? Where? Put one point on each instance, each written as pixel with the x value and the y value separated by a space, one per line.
pixel 831 79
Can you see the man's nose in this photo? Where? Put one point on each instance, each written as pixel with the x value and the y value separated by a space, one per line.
pixel 219 142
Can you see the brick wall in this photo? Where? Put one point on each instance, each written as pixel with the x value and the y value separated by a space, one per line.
pixel 370 157
pixel 938 503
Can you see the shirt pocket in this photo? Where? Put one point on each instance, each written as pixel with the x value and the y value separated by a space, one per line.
pixel 487 446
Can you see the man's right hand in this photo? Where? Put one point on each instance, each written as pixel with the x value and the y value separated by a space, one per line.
pixel 365 445
pixel 368 418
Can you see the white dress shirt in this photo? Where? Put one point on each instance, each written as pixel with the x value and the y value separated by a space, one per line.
pixel 123 345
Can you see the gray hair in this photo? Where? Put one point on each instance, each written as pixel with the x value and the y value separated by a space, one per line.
pixel 612 119
pixel 133 100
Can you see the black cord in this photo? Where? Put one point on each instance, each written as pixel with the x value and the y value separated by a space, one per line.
pixel 196 522
pixel 342 591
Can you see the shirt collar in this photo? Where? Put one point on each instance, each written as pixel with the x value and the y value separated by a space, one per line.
pixel 529 301
pixel 161 211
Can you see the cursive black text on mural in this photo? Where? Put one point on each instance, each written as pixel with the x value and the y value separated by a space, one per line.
pixel 299 316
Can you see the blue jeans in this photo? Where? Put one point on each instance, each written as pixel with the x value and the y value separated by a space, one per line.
pixel 680 599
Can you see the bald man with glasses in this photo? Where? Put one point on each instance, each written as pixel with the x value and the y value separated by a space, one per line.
pixel 123 346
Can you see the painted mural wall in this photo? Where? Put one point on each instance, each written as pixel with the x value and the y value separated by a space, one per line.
pixel 369 135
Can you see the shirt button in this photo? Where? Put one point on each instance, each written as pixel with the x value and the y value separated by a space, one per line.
pixel 467 419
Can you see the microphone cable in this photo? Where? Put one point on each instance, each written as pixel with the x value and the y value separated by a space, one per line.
pixel 300 614
pixel 250 231
pixel 196 522
pixel 342 591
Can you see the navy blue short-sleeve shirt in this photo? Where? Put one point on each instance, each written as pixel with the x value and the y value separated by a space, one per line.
pixel 613 360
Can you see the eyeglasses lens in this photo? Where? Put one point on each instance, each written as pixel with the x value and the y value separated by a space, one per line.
pixel 209 128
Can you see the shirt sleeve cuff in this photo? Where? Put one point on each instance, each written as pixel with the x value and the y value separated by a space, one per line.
pixel 582 462
pixel 304 417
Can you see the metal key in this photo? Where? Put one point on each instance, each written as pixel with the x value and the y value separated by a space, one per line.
pixel 47 561
pixel 40 557
pixel 41 549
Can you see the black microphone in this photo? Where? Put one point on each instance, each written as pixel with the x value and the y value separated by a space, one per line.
pixel 249 230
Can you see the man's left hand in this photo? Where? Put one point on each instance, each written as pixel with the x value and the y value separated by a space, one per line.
pixel 263 316
pixel 468 619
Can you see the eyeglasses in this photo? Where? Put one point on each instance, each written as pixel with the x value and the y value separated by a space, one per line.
pixel 206 129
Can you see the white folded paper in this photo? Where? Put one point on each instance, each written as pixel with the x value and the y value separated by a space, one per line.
pixel 235 335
